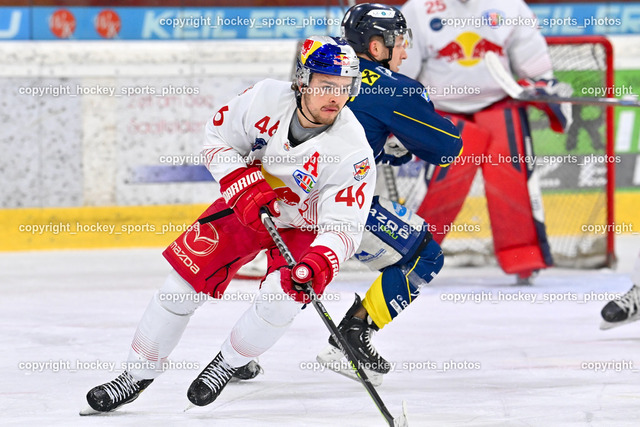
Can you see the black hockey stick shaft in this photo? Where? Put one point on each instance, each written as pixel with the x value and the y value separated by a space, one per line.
pixel 326 318
pixel 217 215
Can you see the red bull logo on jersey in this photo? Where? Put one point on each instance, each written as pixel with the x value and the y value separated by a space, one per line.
pixel 284 193
pixel 468 49
pixel 361 169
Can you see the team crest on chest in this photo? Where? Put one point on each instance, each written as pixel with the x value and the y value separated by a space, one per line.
pixel 361 169
pixel 304 180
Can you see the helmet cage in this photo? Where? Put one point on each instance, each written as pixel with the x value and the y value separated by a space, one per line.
pixel 389 36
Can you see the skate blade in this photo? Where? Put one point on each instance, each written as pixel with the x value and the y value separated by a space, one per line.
pixel 191 406
pixel 333 359
pixel 402 420
pixel 89 411
pixel 329 354
pixel 604 325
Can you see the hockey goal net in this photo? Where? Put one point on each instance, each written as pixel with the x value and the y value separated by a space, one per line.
pixel 575 170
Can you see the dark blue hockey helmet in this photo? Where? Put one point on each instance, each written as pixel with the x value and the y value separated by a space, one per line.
pixel 363 21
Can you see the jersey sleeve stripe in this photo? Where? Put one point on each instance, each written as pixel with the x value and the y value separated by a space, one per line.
pixel 211 153
pixel 428 125
pixel 346 241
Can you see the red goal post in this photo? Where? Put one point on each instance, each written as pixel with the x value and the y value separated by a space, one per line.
pixel 603 44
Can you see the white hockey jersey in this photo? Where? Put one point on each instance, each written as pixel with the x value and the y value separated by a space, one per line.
pixel 324 184
pixel 450 39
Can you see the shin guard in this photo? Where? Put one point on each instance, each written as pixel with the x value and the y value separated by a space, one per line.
pixel 513 193
pixel 399 286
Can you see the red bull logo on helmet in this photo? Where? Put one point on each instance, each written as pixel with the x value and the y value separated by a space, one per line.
pixel 309 46
pixel 341 59
pixel 468 49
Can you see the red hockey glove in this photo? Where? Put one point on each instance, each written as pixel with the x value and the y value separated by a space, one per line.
pixel 319 266
pixel 560 115
pixel 246 191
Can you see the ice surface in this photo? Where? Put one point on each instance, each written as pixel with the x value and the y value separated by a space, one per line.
pixel 527 364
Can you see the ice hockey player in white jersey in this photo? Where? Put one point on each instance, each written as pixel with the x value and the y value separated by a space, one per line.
pixel 450 39
pixel 296 150
pixel 625 309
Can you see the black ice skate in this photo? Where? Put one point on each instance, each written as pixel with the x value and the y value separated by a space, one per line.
pixel 247 372
pixel 110 396
pixel 358 333
pixel 621 310
pixel 211 381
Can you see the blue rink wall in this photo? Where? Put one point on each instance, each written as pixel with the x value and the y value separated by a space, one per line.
pixel 140 23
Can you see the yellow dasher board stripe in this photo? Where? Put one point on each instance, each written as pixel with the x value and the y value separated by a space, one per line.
pixel 157 226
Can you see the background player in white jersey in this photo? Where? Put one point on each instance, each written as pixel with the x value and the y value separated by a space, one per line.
pixel 397 241
pixel 625 309
pixel 276 141
pixel 450 40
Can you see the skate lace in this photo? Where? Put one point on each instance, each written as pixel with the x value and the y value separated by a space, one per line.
pixel 217 374
pixel 121 388
pixel 630 301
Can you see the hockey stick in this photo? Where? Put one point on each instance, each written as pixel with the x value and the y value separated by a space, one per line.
pixel 390 182
pixel 217 215
pixel 506 81
pixel 401 421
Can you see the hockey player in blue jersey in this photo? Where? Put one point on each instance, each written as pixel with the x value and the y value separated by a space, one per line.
pixel 397 241
pixel 389 102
